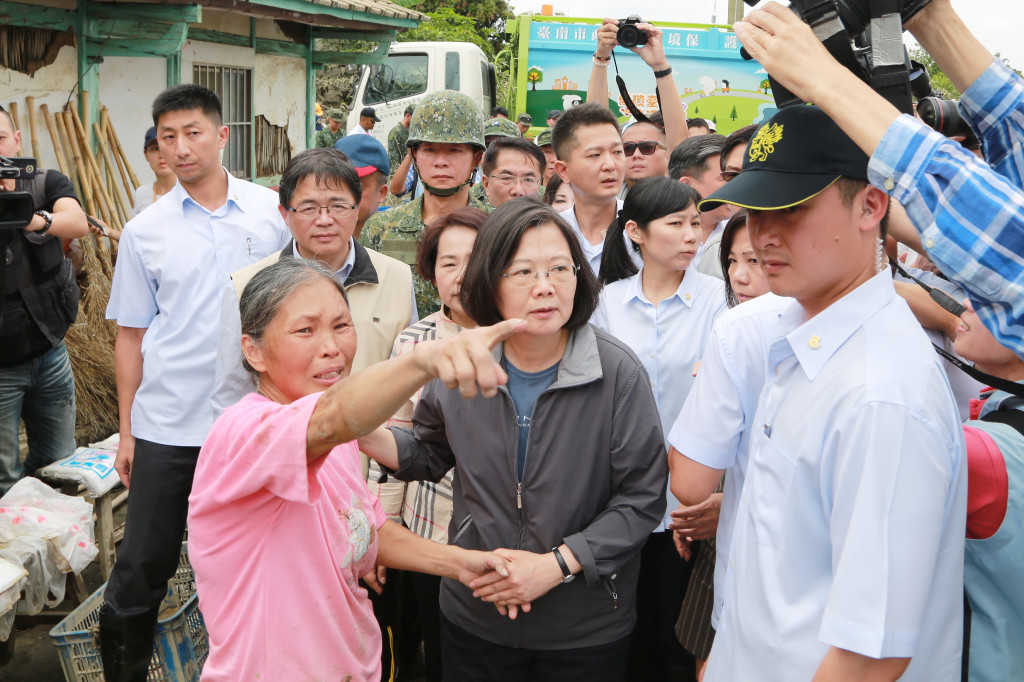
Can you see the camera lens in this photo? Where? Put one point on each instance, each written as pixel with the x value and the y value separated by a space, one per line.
pixel 628 36
pixel 943 116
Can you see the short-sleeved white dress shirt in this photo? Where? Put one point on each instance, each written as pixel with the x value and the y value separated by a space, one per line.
pixel 172 262
pixel 850 528
pixel 669 338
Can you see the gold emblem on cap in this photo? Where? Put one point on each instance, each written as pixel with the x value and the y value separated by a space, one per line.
pixel 763 143
pixel 815 342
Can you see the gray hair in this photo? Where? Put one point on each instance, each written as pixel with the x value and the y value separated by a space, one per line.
pixel 270 287
pixel 690 156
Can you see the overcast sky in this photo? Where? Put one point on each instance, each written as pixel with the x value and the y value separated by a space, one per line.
pixel 996 22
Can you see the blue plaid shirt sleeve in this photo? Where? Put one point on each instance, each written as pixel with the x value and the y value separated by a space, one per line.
pixel 970 214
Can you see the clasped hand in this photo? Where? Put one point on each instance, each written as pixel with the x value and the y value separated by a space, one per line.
pixel 529 577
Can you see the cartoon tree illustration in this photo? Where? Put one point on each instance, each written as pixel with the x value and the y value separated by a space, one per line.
pixel 732 114
pixel 534 75
pixel 696 110
pixel 714 119
pixel 765 85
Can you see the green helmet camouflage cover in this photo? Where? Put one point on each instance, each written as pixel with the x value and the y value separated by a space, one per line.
pixel 543 138
pixel 502 127
pixel 448 116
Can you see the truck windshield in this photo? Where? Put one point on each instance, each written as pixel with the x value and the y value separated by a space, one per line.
pixel 403 75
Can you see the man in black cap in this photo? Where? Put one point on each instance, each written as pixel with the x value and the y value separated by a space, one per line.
pixel 367 119
pixel 553 117
pixel 846 551
pixel 524 121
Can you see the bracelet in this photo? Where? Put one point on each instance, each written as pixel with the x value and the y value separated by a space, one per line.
pixel 600 63
pixel 602 59
pixel 663 73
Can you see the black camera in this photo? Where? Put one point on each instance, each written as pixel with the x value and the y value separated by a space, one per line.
pixel 629 35
pixel 16 208
pixel 865 36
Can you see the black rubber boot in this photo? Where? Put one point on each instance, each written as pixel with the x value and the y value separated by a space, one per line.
pixel 126 645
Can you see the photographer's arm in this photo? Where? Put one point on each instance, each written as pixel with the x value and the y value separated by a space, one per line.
pixel 597 88
pixel 945 37
pixel 68 220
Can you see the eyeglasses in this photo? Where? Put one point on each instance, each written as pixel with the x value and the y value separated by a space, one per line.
pixel 647 147
pixel 525 277
pixel 338 209
pixel 529 181
pixel 729 175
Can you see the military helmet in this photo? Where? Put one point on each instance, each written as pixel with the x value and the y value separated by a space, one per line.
pixel 543 138
pixel 501 127
pixel 447 116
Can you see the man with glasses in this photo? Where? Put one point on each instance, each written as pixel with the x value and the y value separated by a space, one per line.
pixel 513 167
pixel 320 194
pixel 643 143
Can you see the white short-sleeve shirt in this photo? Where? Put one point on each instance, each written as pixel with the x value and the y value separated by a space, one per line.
pixel 850 528
pixel 669 338
pixel 715 422
pixel 172 263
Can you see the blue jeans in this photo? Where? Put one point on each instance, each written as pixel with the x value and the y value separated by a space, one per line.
pixel 41 391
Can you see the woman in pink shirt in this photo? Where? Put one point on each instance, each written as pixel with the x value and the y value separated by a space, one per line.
pixel 281 524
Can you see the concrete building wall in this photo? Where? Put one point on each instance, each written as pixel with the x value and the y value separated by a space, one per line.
pixel 49 85
pixel 280 95
pixel 128 86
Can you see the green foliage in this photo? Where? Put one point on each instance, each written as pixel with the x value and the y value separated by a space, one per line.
pixel 940 81
pixel 447 26
pixel 488 17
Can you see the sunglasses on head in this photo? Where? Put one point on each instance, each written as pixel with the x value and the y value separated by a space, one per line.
pixel 647 147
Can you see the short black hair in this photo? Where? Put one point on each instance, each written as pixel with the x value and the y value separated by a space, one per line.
pixel 496 246
pixel 185 97
pixel 690 156
pixel 426 257
pixel 330 166
pixel 563 134
pixel 740 136
pixel 519 144
pixel 499 111
pixel 698 123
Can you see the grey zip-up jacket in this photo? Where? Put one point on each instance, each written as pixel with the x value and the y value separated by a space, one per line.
pixel 595 477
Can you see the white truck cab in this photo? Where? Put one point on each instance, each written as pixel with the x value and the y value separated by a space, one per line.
pixel 414 70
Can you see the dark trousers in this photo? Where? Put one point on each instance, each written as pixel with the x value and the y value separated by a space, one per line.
pixel 468 658
pixel 157 511
pixel 427 589
pixel 656 653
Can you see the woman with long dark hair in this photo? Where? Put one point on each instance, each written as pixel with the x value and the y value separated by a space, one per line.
pixel 663 312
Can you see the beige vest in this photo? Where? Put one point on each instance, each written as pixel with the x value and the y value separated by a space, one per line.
pixel 380 311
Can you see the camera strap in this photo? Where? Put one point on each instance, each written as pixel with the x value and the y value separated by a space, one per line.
pixel 948 303
pixel 636 113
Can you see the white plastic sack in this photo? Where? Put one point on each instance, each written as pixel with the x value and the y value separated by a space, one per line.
pixel 33 509
pixel 92 467
pixel 11 576
pixel 47 571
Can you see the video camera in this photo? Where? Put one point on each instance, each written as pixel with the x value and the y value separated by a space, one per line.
pixel 16 208
pixel 865 36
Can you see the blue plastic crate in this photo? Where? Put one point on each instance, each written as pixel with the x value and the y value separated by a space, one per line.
pixel 181 643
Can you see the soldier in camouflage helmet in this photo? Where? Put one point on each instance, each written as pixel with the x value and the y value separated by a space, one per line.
pixel 330 135
pixel 500 127
pixel 543 141
pixel 446 137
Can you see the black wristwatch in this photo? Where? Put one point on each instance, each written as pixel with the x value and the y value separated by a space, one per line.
pixel 567 575
pixel 48 217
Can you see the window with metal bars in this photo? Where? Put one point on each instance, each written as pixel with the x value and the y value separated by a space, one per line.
pixel 234 87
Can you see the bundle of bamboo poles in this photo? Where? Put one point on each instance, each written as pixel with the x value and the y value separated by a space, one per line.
pixel 105 183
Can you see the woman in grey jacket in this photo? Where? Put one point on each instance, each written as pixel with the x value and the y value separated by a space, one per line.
pixel 565 468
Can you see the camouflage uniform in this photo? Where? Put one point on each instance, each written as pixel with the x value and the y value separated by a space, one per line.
pixel 397 138
pixel 325 138
pixel 396 232
pixel 479 194
pixel 446 117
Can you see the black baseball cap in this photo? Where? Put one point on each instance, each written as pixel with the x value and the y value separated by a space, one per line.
pixel 795 155
pixel 150 138
pixel 369 113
